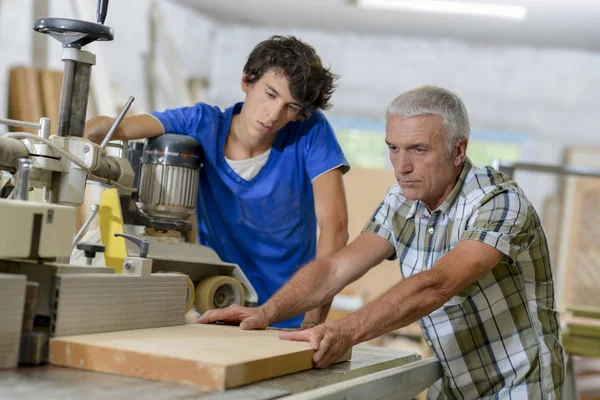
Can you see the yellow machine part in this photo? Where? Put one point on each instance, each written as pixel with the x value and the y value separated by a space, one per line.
pixel 218 292
pixel 110 220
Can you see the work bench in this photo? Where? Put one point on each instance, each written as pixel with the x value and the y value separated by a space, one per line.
pixel 372 373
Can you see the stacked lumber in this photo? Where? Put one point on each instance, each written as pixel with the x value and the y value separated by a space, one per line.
pixel 582 333
pixel 33 94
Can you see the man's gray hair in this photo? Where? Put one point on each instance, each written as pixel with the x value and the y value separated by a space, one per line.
pixel 434 100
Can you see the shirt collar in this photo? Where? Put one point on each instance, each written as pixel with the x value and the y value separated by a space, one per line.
pixel 446 206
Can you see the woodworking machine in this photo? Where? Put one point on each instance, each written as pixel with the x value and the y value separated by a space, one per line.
pixel 43 295
pixel 54 297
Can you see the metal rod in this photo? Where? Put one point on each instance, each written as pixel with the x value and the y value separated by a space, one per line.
pixel 66 97
pixel 44 130
pixel 85 225
pixel 552 169
pixel 115 125
pixel 22 179
pixel 20 124
pixel 403 382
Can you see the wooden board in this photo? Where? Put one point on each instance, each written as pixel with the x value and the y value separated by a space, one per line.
pixel 51 84
pixel 214 356
pixel 581 274
pixel 365 190
pixel 578 261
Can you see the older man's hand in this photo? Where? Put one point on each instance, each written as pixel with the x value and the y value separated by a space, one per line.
pixel 247 318
pixel 330 342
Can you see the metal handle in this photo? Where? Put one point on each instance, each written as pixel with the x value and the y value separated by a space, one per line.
pixel 101 10
pixel 22 179
pixel 115 125
pixel 143 244
pixel 95 208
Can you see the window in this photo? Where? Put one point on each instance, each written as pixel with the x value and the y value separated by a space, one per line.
pixel 363 143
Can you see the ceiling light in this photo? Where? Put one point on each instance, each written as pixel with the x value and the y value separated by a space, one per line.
pixel 449 7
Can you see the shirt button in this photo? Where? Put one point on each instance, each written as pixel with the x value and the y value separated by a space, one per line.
pixel 431 231
pixel 429 342
pixel 229 170
pixel 238 179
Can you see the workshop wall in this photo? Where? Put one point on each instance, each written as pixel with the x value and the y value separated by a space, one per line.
pixel 548 94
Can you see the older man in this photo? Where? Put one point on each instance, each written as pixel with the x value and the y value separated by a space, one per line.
pixel 474 258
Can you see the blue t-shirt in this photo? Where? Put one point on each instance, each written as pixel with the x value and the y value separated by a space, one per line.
pixel 267 225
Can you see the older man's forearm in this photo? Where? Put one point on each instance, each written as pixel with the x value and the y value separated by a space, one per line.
pixel 403 304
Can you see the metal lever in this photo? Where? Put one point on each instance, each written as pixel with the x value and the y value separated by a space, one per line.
pixel 22 179
pixel 143 244
pixel 115 125
pixel 101 11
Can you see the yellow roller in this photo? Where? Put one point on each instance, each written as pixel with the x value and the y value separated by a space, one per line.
pixel 191 291
pixel 218 292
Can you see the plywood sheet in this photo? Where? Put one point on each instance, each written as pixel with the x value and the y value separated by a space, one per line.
pixel 365 190
pixel 581 275
pixel 214 356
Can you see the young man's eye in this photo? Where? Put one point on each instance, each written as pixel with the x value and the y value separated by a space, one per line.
pixel 293 108
pixel 271 95
pixel 392 148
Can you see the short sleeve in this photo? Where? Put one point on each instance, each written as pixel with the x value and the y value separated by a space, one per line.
pixel 186 120
pixel 381 222
pixel 502 220
pixel 322 151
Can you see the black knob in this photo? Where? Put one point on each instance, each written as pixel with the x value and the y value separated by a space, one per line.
pixel 90 249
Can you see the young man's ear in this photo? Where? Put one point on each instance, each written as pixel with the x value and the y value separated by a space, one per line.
pixel 245 84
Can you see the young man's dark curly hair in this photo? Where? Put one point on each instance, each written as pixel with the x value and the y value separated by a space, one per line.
pixel 311 84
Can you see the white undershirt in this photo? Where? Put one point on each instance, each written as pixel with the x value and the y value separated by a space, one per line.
pixel 249 167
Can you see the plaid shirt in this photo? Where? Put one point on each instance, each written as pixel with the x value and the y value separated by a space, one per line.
pixel 500 336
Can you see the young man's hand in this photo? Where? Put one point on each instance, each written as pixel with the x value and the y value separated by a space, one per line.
pixel 330 342
pixel 247 317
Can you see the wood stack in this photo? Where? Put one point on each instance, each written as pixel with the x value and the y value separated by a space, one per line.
pixel 33 94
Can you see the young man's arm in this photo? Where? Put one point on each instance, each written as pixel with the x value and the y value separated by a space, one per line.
pixel 141 126
pixel 332 217
pixel 312 286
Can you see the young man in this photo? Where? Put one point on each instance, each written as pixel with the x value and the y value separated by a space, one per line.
pixel 474 258
pixel 272 170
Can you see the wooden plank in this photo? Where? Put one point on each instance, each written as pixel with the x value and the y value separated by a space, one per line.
pixel 365 190
pixel 588 312
pixel 577 261
pixel 213 356
pixel 580 326
pixel 581 274
pixel 51 95
pixel 25 103
pixel 582 346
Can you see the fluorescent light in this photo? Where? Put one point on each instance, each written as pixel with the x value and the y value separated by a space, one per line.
pixel 449 7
